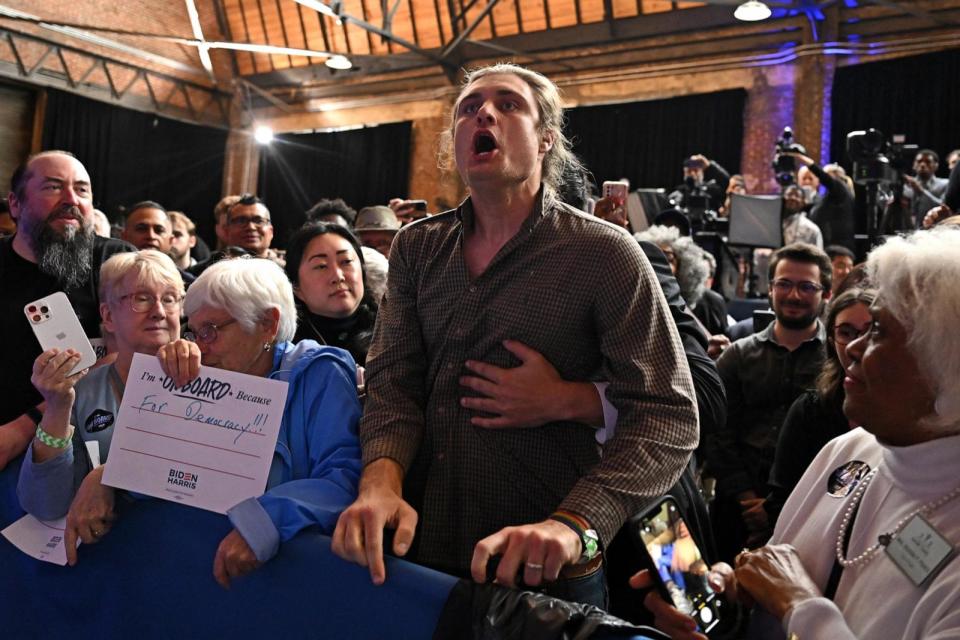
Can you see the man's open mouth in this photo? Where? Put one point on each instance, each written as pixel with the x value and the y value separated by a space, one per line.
pixel 483 142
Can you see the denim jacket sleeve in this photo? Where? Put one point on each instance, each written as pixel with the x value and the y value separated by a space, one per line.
pixel 320 451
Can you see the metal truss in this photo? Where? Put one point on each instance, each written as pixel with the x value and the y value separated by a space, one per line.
pixel 44 62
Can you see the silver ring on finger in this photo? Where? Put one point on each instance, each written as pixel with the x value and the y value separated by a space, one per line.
pixel 533 566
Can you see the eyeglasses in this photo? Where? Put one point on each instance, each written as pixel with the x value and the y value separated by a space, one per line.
pixel 143 302
pixel 242 221
pixel 207 334
pixel 846 333
pixel 806 288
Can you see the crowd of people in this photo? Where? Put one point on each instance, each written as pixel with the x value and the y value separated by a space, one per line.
pixel 496 390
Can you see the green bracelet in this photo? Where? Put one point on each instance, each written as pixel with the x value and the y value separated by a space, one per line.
pixel 51 441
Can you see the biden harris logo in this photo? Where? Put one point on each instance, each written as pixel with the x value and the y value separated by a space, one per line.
pixel 184 479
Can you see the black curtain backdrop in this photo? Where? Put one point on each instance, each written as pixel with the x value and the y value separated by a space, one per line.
pixel 917 96
pixel 133 156
pixel 647 142
pixel 363 166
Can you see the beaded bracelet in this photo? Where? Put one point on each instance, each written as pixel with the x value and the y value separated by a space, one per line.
pixel 52 441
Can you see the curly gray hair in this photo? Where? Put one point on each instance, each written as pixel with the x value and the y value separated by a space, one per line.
pixel 692 268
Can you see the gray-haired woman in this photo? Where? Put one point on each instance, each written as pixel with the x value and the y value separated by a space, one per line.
pixel 141 296
pixel 242 316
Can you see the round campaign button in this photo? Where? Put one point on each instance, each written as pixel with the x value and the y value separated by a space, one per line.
pixel 845 477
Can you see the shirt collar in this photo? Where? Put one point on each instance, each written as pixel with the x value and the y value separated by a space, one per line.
pixel 767 334
pixel 466 215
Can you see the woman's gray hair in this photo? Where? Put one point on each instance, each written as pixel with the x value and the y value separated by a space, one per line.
pixel 376 268
pixel 246 288
pixel 692 269
pixel 151 266
pixel 560 156
pixel 917 278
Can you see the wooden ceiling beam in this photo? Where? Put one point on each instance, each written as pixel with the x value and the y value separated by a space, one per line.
pixel 463 35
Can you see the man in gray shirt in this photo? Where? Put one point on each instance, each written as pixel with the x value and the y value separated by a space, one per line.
pixel 763 374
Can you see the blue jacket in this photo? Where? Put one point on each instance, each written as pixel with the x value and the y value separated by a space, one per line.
pixel 316 464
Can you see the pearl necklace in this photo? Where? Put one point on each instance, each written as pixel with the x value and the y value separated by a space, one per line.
pixel 885 538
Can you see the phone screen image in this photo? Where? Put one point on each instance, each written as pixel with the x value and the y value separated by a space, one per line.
pixel 678 563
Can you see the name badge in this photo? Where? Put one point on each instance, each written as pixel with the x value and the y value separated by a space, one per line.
pixel 919 551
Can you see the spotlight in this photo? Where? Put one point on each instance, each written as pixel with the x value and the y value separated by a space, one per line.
pixel 263 134
pixel 751 11
pixel 339 62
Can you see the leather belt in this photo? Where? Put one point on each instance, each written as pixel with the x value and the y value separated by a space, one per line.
pixel 571 571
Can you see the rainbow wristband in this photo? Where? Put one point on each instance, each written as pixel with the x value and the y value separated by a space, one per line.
pixel 589 541
pixel 575 522
pixel 53 441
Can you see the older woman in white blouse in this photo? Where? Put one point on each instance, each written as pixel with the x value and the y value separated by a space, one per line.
pixel 865 546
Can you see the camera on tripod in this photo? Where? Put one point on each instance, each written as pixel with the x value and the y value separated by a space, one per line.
pixel 784 166
pixel 878 161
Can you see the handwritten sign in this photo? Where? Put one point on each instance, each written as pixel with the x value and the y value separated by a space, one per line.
pixel 207 444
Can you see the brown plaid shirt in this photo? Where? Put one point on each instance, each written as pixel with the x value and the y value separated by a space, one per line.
pixel 579 291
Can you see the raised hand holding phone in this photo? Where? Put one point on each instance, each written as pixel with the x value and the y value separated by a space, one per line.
pixel 57 326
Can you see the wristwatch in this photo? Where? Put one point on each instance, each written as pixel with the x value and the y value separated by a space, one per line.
pixel 589 539
pixel 590 545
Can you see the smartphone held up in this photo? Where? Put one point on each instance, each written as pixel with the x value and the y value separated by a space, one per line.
pixel 57 326
pixel 677 564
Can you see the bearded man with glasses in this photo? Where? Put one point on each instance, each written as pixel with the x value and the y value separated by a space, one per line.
pixel 763 374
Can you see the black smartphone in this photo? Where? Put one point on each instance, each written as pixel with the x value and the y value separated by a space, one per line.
pixel 762 319
pixel 677 564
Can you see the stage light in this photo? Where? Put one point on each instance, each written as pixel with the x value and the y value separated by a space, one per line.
pixel 751 11
pixel 339 62
pixel 263 134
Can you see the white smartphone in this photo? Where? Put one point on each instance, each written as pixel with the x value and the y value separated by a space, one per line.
pixel 56 325
pixel 616 190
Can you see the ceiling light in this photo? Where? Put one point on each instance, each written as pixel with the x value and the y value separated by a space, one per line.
pixel 339 62
pixel 263 134
pixel 751 11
